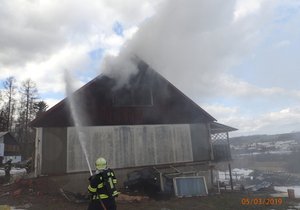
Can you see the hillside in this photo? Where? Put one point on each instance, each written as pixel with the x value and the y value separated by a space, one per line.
pixel 265 138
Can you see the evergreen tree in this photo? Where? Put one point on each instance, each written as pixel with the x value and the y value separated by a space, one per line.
pixel 40 107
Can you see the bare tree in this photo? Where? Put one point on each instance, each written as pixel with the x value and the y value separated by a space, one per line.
pixel 2 114
pixel 29 96
pixel 1 99
pixel 2 120
pixel 9 93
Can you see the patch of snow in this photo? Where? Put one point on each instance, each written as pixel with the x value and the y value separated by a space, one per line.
pixel 279 152
pixel 243 172
pixel 18 171
pixel 14 171
pixel 237 174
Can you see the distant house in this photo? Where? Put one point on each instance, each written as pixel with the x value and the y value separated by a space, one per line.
pixel 148 122
pixel 9 148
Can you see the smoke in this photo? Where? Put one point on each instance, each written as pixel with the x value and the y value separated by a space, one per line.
pixel 192 43
pixel 120 68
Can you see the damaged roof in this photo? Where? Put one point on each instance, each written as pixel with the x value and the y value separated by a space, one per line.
pixel 148 98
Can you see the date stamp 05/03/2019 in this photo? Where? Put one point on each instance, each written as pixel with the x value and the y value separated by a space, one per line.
pixel 261 201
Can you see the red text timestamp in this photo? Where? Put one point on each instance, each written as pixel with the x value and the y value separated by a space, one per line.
pixel 261 201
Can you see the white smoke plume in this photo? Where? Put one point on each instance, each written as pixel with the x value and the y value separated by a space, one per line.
pixel 189 41
pixel 120 68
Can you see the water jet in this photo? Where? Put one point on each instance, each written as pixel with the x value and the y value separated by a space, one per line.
pixel 77 114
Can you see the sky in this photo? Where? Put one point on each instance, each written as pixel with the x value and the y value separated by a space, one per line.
pixel 237 59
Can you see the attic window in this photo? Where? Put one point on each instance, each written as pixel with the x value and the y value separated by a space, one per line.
pixel 141 96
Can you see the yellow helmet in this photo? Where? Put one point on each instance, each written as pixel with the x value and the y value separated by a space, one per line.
pixel 100 163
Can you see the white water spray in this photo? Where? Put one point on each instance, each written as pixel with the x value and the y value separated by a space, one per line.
pixel 76 115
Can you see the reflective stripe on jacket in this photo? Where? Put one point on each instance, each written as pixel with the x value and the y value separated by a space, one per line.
pixel 103 185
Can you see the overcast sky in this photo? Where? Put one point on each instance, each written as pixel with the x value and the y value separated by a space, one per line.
pixel 238 59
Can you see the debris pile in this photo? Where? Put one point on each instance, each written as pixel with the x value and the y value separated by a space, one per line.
pixel 74 197
pixel 130 198
pixel 31 187
pixel 14 174
pixel 145 181
pixel 158 183
pixel 258 180
pixel 17 187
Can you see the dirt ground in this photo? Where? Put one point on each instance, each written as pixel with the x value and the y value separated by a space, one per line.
pixel 41 194
pixel 228 201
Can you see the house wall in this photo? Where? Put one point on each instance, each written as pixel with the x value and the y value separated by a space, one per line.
pixel 123 146
pixel 9 149
pixel 54 149
pixel 130 146
pixel 200 142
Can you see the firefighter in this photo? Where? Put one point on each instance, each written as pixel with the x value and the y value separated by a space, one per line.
pixel 7 168
pixel 102 187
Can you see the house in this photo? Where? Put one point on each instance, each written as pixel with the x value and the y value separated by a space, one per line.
pixel 9 148
pixel 148 122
